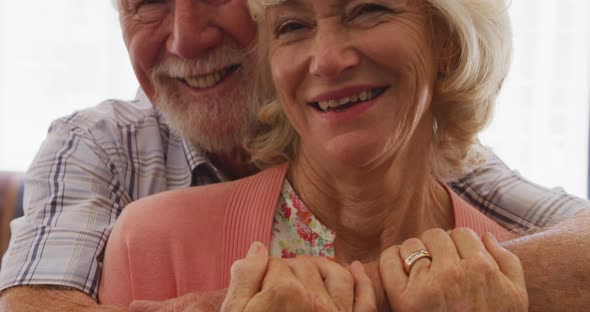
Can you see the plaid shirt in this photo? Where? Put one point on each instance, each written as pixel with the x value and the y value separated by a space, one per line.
pixel 96 161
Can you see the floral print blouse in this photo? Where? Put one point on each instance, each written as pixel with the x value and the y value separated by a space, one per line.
pixel 296 231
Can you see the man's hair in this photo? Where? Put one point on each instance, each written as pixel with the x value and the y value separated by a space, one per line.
pixel 116 4
pixel 480 34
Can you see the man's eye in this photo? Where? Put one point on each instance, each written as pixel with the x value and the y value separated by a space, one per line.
pixel 288 27
pixel 147 2
pixel 148 11
pixel 135 5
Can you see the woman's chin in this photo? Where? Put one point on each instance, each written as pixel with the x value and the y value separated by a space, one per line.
pixel 351 154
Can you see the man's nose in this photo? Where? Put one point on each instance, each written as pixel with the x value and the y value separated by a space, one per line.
pixel 193 30
pixel 332 54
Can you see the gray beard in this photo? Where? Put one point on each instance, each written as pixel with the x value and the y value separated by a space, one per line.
pixel 216 125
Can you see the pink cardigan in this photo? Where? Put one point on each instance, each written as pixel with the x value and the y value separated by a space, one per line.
pixel 176 242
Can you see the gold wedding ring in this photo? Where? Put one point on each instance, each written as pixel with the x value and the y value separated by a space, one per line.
pixel 415 256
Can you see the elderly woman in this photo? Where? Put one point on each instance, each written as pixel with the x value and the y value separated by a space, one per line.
pixel 375 103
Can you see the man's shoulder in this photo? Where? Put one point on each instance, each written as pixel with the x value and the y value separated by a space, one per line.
pixel 171 212
pixel 114 114
pixel 179 201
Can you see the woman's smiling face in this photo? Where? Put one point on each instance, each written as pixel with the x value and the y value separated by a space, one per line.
pixel 354 77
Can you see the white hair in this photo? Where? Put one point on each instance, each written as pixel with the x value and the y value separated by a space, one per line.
pixel 116 4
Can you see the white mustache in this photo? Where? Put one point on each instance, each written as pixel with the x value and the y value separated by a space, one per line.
pixel 225 55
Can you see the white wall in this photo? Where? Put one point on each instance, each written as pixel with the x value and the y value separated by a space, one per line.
pixel 55 57
pixel 61 55
pixel 541 123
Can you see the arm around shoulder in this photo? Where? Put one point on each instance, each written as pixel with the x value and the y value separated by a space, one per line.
pixel 556 263
pixel 554 249
pixel 50 298
pixel 72 197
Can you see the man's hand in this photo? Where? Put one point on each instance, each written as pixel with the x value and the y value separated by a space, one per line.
pixel 298 284
pixel 262 284
pixel 314 284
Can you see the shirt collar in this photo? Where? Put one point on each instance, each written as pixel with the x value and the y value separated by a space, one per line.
pixel 196 157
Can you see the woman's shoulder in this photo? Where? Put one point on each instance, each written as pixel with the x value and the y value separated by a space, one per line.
pixel 469 216
pixel 207 199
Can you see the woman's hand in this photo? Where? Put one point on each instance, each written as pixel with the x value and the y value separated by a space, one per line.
pixel 464 274
pixel 299 284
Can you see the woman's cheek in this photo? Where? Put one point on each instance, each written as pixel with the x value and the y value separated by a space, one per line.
pixel 286 68
pixel 288 74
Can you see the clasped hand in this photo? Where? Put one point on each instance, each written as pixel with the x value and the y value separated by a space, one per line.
pixel 464 273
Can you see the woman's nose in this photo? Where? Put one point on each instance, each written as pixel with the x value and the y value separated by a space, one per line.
pixel 332 54
pixel 193 31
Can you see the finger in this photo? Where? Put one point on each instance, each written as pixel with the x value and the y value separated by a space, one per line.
pixel 263 301
pixel 374 272
pixel 469 244
pixel 307 273
pixel 276 300
pixel 246 278
pixel 364 293
pixel 442 248
pixel 277 272
pixel 393 274
pixel 420 266
pixel 508 262
pixel 338 281
pixel 279 288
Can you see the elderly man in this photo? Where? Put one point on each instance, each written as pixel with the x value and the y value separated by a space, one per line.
pixel 192 62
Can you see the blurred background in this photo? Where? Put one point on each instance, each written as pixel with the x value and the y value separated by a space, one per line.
pixel 62 55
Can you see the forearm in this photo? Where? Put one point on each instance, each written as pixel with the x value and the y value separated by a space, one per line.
pixel 556 262
pixel 205 301
pixel 48 298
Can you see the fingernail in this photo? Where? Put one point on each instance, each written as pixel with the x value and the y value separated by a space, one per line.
pixel 255 249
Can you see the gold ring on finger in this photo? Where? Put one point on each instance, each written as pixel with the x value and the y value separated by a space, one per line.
pixel 415 256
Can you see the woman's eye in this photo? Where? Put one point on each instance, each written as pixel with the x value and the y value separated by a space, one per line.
pixel 288 27
pixel 368 8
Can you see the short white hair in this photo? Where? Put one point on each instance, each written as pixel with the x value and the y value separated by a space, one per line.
pixel 463 99
pixel 116 4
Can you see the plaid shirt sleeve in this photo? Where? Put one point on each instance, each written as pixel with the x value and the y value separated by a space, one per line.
pixel 513 201
pixel 91 165
pixel 73 195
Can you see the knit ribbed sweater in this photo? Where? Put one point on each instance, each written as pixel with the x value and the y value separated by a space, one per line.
pixel 176 242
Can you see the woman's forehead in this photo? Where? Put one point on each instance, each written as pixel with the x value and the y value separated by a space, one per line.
pixel 309 4
pixel 302 2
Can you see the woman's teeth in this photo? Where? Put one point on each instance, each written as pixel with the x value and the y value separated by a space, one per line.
pixel 361 97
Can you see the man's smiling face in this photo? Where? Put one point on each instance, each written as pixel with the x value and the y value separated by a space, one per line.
pixel 190 59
